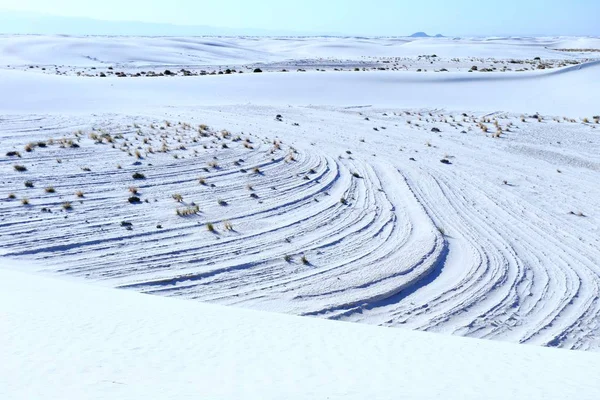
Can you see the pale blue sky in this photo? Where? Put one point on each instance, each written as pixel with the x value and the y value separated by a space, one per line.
pixel 353 17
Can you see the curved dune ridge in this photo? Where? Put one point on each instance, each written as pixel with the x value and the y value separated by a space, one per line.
pixel 375 230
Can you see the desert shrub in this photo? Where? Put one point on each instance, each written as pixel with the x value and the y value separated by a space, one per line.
pixel 79 193
pixel 25 201
pixel 12 196
pixel 67 205
pixel 28 184
pixel 134 199
pixel 184 212
pixel 20 168
pixel 50 189
pixel 138 175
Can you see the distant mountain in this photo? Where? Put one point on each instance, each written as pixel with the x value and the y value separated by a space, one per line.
pixel 424 35
pixel 30 23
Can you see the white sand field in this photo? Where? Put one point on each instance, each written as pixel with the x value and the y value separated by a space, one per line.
pixel 457 203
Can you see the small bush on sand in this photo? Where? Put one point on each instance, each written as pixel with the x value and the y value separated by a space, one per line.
pixel 184 212
pixel 50 189
pixel 25 201
pixel 67 205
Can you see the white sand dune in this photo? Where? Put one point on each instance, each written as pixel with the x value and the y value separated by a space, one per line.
pixel 131 51
pixel 100 343
pixel 429 201
pixel 547 92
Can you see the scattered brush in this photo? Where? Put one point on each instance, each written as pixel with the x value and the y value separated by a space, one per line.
pixel 138 175
pixel 20 168
pixel 134 200
pixel 25 201
pixel 79 194
pixel 12 196
pixel 256 170
pixel 304 260
pixel 67 205
pixel 210 227
pixel 28 184
pixel 133 190
pixel 287 258
pixel 202 181
pixel 29 147
pixel 50 189
pixel 184 212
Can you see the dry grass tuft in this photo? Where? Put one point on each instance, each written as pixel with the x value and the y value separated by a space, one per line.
pixel 184 212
